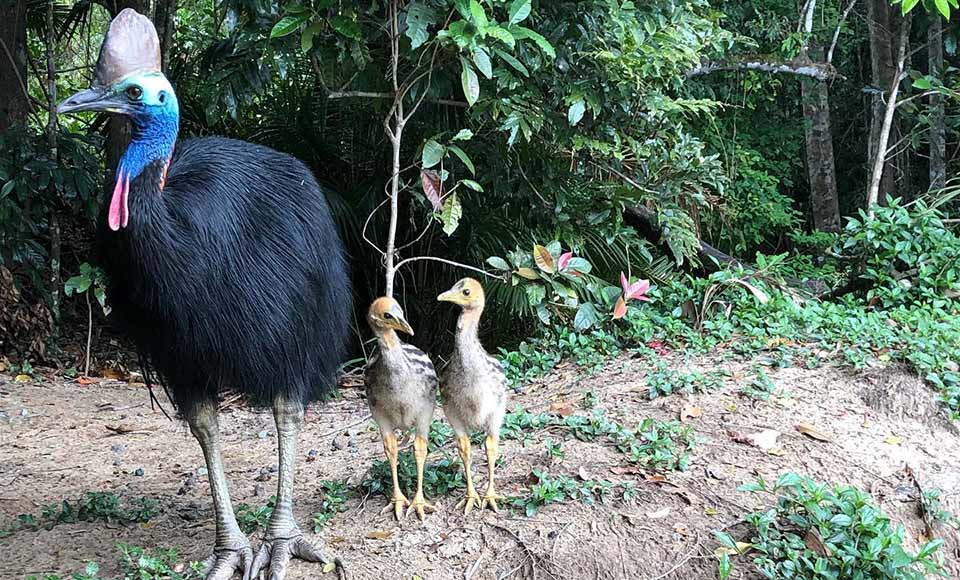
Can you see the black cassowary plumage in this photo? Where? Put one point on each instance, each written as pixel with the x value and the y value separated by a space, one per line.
pixel 230 274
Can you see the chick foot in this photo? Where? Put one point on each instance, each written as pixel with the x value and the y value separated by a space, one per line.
pixel 490 498
pixel 398 502
pixel 471 501
pixel 420 505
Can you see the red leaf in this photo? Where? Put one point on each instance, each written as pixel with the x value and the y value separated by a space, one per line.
pixel 564 260
pixel 432 187
pixel 619 309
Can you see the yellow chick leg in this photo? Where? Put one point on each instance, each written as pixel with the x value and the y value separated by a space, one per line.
pixel 490 496
pixel 473 498
pixel 399 501
pixel 419 504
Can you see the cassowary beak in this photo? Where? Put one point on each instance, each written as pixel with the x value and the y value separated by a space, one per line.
pixel 402 325
pixel 98 99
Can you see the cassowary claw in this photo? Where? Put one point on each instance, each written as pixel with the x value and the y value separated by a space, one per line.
pixel 224 562
pixel 275 554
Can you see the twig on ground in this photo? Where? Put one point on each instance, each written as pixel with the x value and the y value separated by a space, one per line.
pixel 681 561
pixel 471 569
pixel 345 427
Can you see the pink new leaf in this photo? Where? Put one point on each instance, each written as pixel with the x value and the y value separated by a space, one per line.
pixel 635 291
pixel 563 260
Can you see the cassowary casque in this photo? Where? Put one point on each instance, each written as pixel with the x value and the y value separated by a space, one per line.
pixel 225 267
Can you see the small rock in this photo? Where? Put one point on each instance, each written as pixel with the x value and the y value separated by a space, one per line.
pixel 23 413
pixel 117 463
pixel 263 434
pixel 258 490
pixel 118 448
pixel 339 443
pixel 273 468
pixel 264 475
pixel 138 472
pixel 201 471
pixel 311 455
pixel 905 493
pixel 187 484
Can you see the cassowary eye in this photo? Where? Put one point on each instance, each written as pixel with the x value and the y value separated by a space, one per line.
pixel 134 92
pixel 388 316
pixel 163 96
pixel 466 291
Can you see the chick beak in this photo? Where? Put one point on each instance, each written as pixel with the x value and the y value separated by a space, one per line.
pixel 448 296
pixel 403 326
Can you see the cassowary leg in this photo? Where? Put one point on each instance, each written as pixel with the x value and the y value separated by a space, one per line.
pixel 419 504
pixel 473 498
pixel 232 549
pixel 283 539
pixel 490 496
pixel 392 452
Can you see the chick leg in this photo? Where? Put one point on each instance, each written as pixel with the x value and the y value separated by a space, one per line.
pixel 399 500
pixel 283 539
pixel 419 503
pixel 490 496
pixel 473 498
pixel 232 548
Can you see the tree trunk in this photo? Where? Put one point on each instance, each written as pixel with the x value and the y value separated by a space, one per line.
pixel 882 21
pixel 163 17
pixel 51 42
pixel 13 64
pixel 119 128
pixel 821 172
pixel 938 141
pixel 880 162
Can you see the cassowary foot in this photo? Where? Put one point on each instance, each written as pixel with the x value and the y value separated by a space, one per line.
pixel 397 504
pixel 276 552
pixel 490 500
pixel 225 561
pixel 420 505
pixel 471 501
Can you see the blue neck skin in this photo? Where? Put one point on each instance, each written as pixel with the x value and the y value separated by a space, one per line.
pixel 154 135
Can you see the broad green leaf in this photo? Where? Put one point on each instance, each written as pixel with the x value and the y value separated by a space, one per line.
pixel 580 265
pixel 498 263
pixel 922 83
pixel 477 13
pixel 472 184
pixel 7 188
pixel 544 45
pixel 908 5
pixel 943 7
pixel 287 25
pixel 306 38
pixel 513 62
pixel 463 157
pixel 575 113
pixel 528 273
pixel 451 214
pixel 346 26
pixel 586 316
pixel 432 153
pixel 470 83
pixel 535 294
pixel 501 34
pixel 463 135
pixel 482 60
pixel 519 10
pixel 420 15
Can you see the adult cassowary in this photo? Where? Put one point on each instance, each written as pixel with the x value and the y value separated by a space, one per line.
pixel 225 267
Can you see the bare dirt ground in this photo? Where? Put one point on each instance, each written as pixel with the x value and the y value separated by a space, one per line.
pixel 55 444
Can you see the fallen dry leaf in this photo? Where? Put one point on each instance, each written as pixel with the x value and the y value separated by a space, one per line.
pixel 660 513
pixel 109 373
pixel 892 439
pixel 22 379
pixel 379 535
pixel 811 431
pixel 710 511
pixel 86 381
pixel 741 548
pixel 814 542
pixel 764 440
pixel 329 567
pixel 584 474
pixel 777 451
pixel 656 478
pixel 690 412
pixel 562 408
pixel 616 470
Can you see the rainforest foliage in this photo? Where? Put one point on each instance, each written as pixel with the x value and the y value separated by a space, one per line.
pixel 791 152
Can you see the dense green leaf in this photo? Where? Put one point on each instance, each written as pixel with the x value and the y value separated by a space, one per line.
pixel 432 153
pixel 470 83
pixel 287 25
pixel 519 10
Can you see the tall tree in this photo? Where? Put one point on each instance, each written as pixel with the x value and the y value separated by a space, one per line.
pixel 938 142
pixel 884 24
pixel 13 63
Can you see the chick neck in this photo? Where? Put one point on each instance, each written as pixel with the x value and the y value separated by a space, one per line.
pixel 468 329
pixel 387 339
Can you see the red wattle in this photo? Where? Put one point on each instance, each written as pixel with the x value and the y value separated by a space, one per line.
pixel 118 215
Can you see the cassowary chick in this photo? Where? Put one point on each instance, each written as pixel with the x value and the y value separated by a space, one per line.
pixel 401 386
pixel 474 389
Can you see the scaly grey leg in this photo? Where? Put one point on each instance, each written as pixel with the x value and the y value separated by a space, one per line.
pixel 232 548
pixel 283 539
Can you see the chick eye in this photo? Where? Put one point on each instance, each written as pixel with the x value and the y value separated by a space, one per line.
pixel 388 316
pixel 466 291
pixel 134 92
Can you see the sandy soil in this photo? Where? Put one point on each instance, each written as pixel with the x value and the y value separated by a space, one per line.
pixel 55 443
